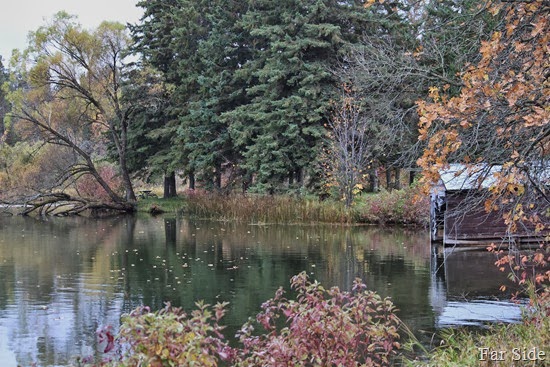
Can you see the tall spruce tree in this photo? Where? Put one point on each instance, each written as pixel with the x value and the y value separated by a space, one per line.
pixel 252 81
pixel 159 45
pixel 205 137
pixel 293 46
pixel 197 48
pixel 148 140
pixel 153 35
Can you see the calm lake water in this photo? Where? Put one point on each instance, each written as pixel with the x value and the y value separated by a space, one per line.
pixel 61 279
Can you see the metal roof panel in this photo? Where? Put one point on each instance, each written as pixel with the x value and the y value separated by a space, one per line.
pixel 467 177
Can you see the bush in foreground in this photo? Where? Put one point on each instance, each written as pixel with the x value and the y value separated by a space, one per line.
pixel 319 328
pixel 324 328
pixel 171 337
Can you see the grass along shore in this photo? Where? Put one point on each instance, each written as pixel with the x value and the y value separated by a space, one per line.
pixel 401 207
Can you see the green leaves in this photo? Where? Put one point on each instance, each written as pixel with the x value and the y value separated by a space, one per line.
pixel 252 81
pixel 172 337
pixel 68 87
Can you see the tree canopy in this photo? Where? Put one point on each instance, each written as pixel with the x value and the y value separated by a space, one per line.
pixel 245 93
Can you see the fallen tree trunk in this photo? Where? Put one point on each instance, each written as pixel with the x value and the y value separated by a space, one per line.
pixel 4 206
pixel 62 204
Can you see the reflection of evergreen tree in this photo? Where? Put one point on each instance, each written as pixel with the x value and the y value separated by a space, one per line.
pixel 170 231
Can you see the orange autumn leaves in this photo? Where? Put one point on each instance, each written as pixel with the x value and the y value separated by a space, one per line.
pixel 505 94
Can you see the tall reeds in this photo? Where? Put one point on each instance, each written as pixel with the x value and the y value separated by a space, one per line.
pixel 267 209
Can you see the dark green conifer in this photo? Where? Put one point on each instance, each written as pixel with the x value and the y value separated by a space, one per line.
pixel 294 46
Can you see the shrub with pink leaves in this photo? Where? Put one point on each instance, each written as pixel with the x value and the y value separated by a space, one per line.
pixel 406 206
pixel 322 328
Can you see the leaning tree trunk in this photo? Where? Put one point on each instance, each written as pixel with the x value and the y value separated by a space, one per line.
pixel 128 187
pixel 130 195
pixel 59 203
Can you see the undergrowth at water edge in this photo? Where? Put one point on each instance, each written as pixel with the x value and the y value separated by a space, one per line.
pixel 401 207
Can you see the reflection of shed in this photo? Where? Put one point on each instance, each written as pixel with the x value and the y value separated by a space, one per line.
pixel 457 212
pixel 462 291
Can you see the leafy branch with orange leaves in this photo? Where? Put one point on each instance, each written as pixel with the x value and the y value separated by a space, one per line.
pixel 500 121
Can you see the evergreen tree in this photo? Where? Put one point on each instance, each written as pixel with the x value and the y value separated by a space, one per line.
pixel 148 140
pixel 153 36
pixel 252 81
pixel 293 46
pixel 205 137
pixel 157 42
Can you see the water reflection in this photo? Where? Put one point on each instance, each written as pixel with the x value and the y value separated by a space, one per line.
pixel 60 279
pixel 465 290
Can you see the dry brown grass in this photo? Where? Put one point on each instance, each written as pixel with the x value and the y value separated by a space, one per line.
pixel 267 209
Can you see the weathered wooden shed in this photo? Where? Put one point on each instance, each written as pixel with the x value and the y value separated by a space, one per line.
pixel 458 216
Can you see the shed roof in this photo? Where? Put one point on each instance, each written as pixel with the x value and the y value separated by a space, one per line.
pixel 462 177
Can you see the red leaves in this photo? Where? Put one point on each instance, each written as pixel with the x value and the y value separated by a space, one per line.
pixel 173 337
pixel 324 327
pixel 219 311
pixel 527 268
pixel 110 343
pixel 265 320
pixel 87 186
pixel 106 339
